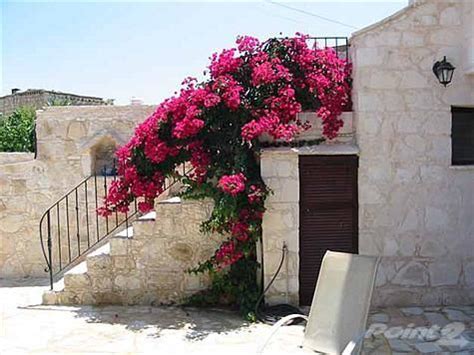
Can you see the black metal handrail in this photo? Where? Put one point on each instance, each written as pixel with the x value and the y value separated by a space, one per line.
pixel 86 226
pixel 339 44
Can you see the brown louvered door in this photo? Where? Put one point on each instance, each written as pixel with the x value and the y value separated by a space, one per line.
pixel 328 213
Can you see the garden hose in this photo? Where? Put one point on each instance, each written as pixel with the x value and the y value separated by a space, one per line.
pixel 271 314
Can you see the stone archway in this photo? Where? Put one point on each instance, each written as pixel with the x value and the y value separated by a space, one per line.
pixel 103 156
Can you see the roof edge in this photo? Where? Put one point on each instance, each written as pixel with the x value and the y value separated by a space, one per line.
pixel 385 20
pixel 43 91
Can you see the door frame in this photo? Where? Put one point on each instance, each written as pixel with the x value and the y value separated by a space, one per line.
pixel 345 159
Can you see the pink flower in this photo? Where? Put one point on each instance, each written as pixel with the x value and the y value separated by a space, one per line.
pixel 211 100
pixel 200 160
pixel 247 43
pixel 252 130
pixel 255 128
pixel 268 72
pixel 240 231
pixel 257 89
pixel 227 254
pixel 104 211
pixel 145 206
pixel 255 194
pixel 187 128
pixel 232 184
pixel 229 90
pixel 224 63
pixel 156 150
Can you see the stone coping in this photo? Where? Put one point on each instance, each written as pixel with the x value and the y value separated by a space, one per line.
pixel 321 149
pixel 94 107
pixel 15 157
pixel 462 167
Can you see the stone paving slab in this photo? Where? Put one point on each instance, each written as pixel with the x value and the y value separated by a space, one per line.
pixel 27 327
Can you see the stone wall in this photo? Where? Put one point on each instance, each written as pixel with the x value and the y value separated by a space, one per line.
pixel 66 136
pixel 279 169
pixel 149 268
pixel 415 209
pixel 38 99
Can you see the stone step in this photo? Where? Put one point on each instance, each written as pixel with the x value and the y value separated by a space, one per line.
pixel 93 271
pixel 112 274
pixel 77 280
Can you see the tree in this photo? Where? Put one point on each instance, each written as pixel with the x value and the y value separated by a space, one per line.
pixel 17 131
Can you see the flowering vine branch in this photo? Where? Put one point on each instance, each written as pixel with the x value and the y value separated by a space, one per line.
pixel 253 90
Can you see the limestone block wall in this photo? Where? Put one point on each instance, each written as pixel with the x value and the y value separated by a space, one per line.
pixel 28 186
pixel 37 99
pixel 151 267
pixel 415 209
pixel 468 22
pixel 160 254
pixel 279 169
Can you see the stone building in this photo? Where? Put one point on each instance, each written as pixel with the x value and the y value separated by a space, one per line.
pixel 409 200
pixel 144 263
pixel 398 182
pixel 69 138
pixel 38 98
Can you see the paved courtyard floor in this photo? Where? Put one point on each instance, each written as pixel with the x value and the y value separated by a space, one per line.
pixel 27 327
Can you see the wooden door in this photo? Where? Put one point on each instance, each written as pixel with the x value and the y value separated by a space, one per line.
pixel 328 214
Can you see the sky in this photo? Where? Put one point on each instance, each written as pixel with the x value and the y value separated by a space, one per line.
pixel 123 49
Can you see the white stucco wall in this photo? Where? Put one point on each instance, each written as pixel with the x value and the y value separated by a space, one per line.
pixel 415 209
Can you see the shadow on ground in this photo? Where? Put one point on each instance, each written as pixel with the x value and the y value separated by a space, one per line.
pixel 23 282
pixel 193 323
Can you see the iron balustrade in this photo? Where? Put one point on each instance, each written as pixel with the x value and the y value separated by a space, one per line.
pixel 71 227
pixel 339 44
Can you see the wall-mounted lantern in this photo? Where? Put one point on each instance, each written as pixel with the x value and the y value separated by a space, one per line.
pixel 444 71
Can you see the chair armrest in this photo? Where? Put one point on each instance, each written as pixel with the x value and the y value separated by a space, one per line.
pixel 277 326
pixel 353 344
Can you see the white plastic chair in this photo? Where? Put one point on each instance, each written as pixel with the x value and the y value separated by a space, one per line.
pixel 337 319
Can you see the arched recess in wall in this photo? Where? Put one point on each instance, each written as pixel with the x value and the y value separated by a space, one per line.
pixel 103 156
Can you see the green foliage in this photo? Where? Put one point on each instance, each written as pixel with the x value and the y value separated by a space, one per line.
pixel 17 131
pixel 237 287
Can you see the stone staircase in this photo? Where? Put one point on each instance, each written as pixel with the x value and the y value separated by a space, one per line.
pixel 145 264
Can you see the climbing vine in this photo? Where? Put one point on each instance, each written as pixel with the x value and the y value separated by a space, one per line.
pixel 252 90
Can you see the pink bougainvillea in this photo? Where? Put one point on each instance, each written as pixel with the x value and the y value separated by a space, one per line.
pixel 255 89
pixel 232 184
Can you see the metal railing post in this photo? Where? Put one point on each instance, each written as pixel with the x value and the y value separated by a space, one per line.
pixel 50 254
pixel 68 224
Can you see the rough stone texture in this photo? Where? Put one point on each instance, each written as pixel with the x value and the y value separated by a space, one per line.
pixel 279 169
pixel 149 268
pixel 28 186
pixel 38 99
pixel 415 209
pixel 280 224
pixel 117 329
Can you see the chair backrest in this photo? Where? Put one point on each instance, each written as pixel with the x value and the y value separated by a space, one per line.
pixel 341 301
